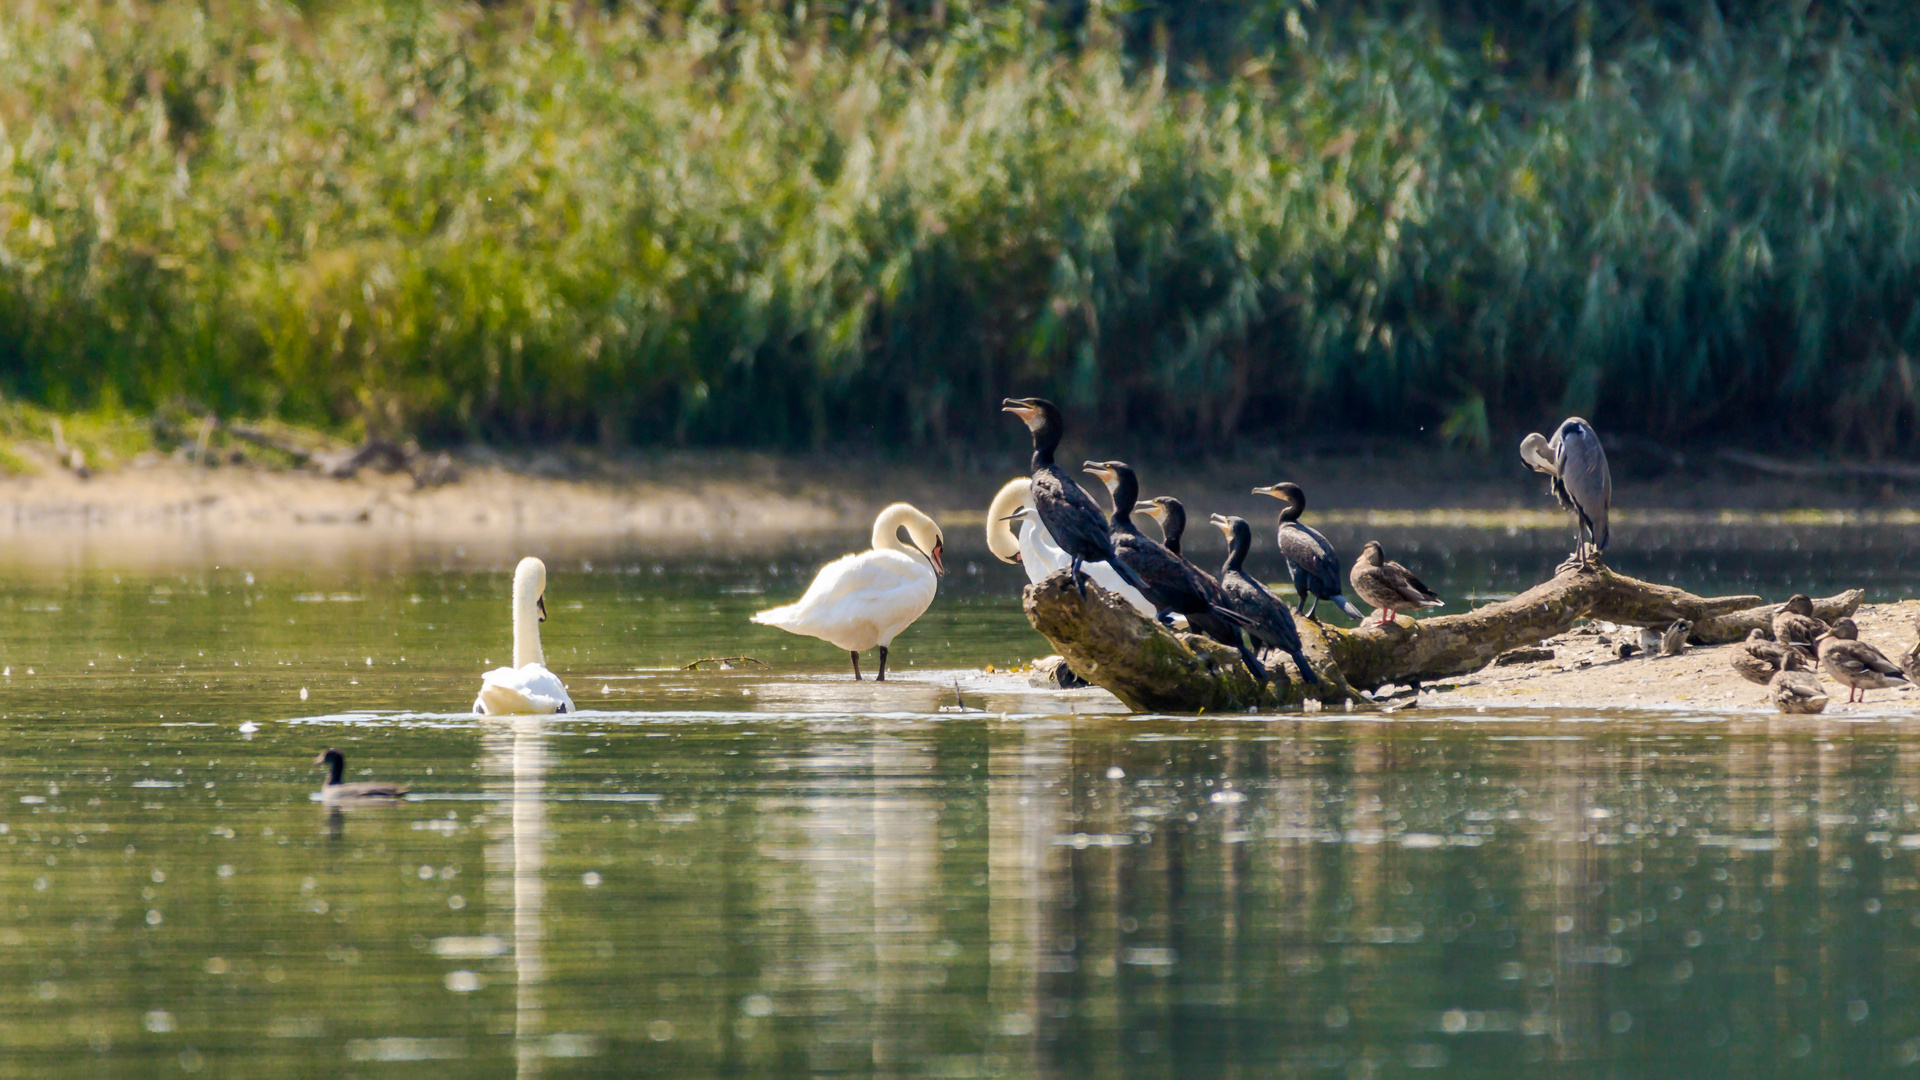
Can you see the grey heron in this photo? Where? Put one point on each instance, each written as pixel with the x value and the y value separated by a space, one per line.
pixel 1577 465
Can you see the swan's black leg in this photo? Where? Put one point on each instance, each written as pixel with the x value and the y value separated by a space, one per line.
pixel 856 665
pixel 882 677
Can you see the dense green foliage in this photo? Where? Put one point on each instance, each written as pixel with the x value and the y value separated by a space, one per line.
pixel 868 222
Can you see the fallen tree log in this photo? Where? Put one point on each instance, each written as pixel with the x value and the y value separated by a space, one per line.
pixel 1150 667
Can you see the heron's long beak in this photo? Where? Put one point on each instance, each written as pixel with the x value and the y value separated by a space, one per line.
pixel 1017 515
pixel 541 604
pixel 1533 451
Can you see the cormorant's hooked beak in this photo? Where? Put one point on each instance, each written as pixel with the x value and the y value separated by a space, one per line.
pixel 1098 468
pixel 1220 522
pixel 541 606
pixel 1153 510
pixel 1022 408
pixel 1271 490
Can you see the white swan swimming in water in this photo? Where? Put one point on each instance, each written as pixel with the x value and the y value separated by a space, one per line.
pixel 527 686
pixel 1034 548
pixel 861 601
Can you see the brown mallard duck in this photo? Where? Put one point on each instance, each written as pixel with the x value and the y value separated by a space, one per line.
pixel 1673 641
pixel 1853 662
pixel 1795 625
pixel 367 790
pixel 1758 660
pixel 1797 692
pixel 1387 585
pixel 1909 661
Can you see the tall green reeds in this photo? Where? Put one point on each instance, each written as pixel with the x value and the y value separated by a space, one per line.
pixel 646 225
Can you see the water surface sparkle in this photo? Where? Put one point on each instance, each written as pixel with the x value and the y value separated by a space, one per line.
pixel 777 872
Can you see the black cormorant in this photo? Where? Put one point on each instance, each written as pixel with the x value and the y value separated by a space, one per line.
pixel 1272 622
pixel 1311 561
pixel 1169 581
pixel 1069 514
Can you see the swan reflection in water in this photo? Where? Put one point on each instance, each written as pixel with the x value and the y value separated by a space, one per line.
pixel 515 761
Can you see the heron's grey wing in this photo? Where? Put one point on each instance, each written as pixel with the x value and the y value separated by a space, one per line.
pixel 1582 465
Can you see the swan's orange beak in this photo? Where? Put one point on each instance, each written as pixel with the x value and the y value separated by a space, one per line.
pixel 939 565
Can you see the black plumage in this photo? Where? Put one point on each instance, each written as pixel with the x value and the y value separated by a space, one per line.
pixel 1272 623
pixel 1171 515
pixel 1169 582
pixel 335 791
pixel 1311 561
pixel 1069 514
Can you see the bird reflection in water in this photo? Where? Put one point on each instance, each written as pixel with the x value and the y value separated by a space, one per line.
pixel 515 761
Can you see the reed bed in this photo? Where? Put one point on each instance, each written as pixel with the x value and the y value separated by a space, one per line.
pixel 525 222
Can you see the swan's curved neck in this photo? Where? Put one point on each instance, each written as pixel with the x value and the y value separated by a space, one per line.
pixel 886 532
pixel 526 625
pixel 1001 539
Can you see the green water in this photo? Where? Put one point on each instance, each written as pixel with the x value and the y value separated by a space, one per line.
pixel 773 871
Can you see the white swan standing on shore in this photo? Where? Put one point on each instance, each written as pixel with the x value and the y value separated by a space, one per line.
pixel 1034 548
pixel 861 601
pixel 527 686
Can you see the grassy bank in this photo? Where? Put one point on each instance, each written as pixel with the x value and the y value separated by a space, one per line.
pixel 543 221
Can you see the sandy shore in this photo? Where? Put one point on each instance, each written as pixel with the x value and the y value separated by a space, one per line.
pixel 1585 673
pixel 702 495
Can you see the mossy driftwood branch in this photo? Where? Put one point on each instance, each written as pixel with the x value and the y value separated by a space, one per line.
pixel 1152 668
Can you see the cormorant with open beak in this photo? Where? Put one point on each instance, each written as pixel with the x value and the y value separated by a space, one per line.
pixel 1272 623
pixel 1174 586
pixel 1068 513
